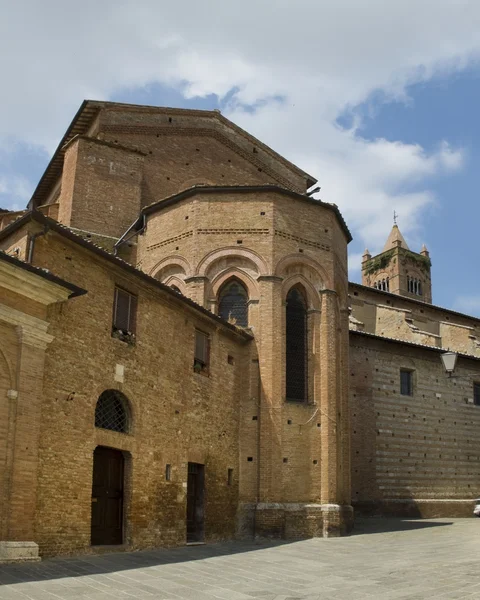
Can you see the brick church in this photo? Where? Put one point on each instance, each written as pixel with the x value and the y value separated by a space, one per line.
pixel 183 359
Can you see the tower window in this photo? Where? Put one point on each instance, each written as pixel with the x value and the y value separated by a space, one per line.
pixel 296 346
pixel 233 303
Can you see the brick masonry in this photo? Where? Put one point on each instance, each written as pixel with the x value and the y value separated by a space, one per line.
pixel 294 467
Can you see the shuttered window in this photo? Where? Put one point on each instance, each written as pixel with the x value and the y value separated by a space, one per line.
pixel 124 311
pixel 296 346
pixel 201 359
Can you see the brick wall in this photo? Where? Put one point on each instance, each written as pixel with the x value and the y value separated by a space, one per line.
pixel 178 415
pixel 417 454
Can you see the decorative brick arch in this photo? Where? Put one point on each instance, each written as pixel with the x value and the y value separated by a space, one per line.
pixel 257 262
pixel 177 282
pixel 310 269
pixel 234 273
pixel 175 260
pixel 313 297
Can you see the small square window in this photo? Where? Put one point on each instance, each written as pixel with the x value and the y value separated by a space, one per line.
pixel 476 394
pixel 201 359
pixel 124 319
pixel 406 382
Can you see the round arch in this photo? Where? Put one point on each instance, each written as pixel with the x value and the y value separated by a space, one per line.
pixel 113 411
pixel 306 266
pixel 231 252
pixel 175 260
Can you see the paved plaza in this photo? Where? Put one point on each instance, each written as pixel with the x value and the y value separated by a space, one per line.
pixel 438 558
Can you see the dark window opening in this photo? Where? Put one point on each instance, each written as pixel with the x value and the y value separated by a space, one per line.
pixel 229 476
pixel 201 359
pixel 296 346
pixel 111 411
pixel 476 394
pixel 233 303
pixel 406 382
pixel 168 472
pixel 124 315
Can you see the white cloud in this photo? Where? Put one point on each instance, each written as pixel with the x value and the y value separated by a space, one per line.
pixel 321 58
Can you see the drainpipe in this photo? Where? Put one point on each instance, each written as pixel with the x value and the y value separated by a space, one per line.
pixel 31 243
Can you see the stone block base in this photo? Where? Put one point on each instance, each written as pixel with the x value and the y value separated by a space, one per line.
pixel 11 552
pixel 293 520
pixel 416 509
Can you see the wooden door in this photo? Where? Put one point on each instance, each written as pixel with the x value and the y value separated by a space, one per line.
pixel 195 503
pixel 107 497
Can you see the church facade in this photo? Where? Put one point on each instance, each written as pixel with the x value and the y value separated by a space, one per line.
pixel 185 361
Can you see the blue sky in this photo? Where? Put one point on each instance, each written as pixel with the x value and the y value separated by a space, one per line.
pixel 379 103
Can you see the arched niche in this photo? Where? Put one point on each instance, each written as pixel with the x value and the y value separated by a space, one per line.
pixel 309 269
pixel 229 257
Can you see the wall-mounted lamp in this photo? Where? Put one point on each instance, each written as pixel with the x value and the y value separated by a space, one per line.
pixel 449 360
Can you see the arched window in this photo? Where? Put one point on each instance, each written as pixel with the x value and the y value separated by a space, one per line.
pixel 419 288
pixel 296 346
pixel 112 411
pixel 233 303
pixel 388 284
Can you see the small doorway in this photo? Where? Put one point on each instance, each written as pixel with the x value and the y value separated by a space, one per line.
pixel 107 497
pixel 195 503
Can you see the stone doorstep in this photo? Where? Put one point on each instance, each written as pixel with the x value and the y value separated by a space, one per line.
pixel 13 552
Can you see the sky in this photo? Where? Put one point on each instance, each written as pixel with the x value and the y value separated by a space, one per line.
pixel 378 99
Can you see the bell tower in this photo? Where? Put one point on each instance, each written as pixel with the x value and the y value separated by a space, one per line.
pixel 399 270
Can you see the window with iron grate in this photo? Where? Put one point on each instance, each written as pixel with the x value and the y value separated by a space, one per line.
pixel 111 411
pixel 233 303
pixel 296 346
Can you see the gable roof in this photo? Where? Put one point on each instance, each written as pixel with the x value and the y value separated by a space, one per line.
pixel 88 111
pixel 50 224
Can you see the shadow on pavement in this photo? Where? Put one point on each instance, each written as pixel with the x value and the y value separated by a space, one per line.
pixel 371 525
pixel 86 565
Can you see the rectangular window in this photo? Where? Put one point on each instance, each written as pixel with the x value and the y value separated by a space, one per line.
pixel 406 382
pixel 476 394
pixel 124 313
pixel 201 359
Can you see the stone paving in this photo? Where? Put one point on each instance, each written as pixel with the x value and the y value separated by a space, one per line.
pixel 387 559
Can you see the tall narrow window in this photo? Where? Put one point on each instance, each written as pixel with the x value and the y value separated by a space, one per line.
pixel 296 346
pixel 201 359
pixel 124 314
pixel 233 303
pixel 406 382
pixel 476 394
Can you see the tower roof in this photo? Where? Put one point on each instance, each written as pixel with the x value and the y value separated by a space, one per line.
pixel 394 237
